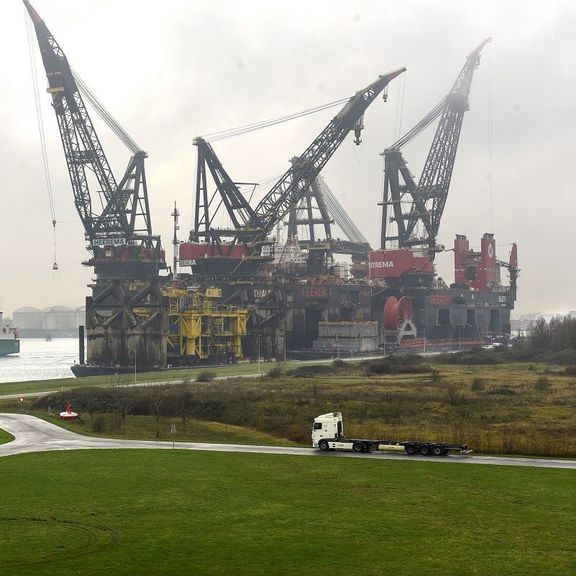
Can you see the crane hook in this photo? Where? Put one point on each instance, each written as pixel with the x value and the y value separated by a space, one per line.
pixel 358 127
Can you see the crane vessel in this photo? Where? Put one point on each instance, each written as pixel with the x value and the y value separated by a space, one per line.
pixel 240 293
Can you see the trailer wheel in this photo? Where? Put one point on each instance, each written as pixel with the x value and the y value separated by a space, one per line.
pixel 410 449
pixel 323 445
pixel 358 447
pixel 437 451
pixel 425 450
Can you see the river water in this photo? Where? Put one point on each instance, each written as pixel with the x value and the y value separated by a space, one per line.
pixel 40 360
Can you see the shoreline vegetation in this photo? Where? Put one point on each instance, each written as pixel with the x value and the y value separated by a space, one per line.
pixel 495 406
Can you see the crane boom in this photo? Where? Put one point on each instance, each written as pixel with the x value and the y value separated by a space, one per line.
pixel 288 191
pixel 121 231
pixel 426 199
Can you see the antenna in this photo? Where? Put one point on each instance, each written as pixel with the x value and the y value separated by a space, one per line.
pixel 175 214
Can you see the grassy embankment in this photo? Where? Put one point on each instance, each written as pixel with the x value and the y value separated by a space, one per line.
pixel 504 408
pixel 179 512
pixel 63 384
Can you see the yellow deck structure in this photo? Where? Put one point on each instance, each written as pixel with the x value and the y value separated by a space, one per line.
pixel 203 330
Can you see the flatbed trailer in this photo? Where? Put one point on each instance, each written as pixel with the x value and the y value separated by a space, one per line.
pixel 328 434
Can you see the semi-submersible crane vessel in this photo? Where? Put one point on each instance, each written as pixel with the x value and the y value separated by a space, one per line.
pixel 241 297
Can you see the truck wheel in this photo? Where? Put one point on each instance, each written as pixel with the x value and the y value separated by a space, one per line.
pixel 437 451
pixel 323 445
pixel 425 450
pixel 410 449
pixel 358 447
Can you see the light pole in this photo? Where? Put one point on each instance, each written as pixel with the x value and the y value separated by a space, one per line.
pixel 259 357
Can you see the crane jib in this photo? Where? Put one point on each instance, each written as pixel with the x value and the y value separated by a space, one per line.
pixel 292 185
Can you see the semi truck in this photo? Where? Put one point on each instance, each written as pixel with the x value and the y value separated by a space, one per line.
pixel 328 434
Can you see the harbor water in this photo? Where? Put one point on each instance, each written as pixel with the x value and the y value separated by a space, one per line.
pixel 40 359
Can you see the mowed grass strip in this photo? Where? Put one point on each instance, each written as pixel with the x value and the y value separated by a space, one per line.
pixel 178 512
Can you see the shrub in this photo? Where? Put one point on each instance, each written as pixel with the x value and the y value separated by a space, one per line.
pixel 478 384
pixel 435 376
pixel 406 364
pixel 453 396
pixel 503 392
pixel 310 371
pixel 543 383
pixel 339 364
pixel 473 357
pixel 275 372
pixel 99 424
pixel 205 376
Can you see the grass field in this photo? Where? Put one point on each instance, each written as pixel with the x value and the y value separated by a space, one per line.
pixel 179 512
pixel 5 437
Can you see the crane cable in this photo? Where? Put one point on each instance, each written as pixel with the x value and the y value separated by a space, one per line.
pixel 490 143
pixel 109 120
pixel 233 132
pixel 42 135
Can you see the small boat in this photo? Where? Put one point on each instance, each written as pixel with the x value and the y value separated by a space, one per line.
pixel 9 342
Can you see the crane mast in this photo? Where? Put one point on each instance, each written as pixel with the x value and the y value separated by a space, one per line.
pixel 119 234
pixel 422 205
pixel 207 205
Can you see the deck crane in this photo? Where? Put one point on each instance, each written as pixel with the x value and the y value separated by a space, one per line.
pixel 417 208
pixel 251 226
pixel 126 321
pixel 119 234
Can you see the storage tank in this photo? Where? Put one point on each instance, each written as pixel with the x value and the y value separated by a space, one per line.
pixel 28 318
pixel 59 318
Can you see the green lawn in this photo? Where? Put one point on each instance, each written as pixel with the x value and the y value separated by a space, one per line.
pixel 177 512
pixel 5 437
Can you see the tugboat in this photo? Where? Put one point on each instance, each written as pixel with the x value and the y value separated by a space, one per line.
pixel 9 342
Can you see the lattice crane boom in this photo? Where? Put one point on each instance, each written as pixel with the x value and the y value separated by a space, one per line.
pixel 124 217
pixel 291 187
pixel 426 199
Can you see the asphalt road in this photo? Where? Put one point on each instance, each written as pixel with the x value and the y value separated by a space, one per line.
pixel 35 435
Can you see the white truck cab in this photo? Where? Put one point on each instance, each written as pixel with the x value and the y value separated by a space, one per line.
pixel 327 427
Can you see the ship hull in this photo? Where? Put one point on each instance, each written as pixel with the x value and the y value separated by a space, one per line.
pixel 9 346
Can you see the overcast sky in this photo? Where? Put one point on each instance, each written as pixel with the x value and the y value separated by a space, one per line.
pixel 169 71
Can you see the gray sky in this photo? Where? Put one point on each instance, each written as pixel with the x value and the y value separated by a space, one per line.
pixel 172 70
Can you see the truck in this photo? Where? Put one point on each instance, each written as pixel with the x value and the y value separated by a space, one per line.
pixel 328 434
